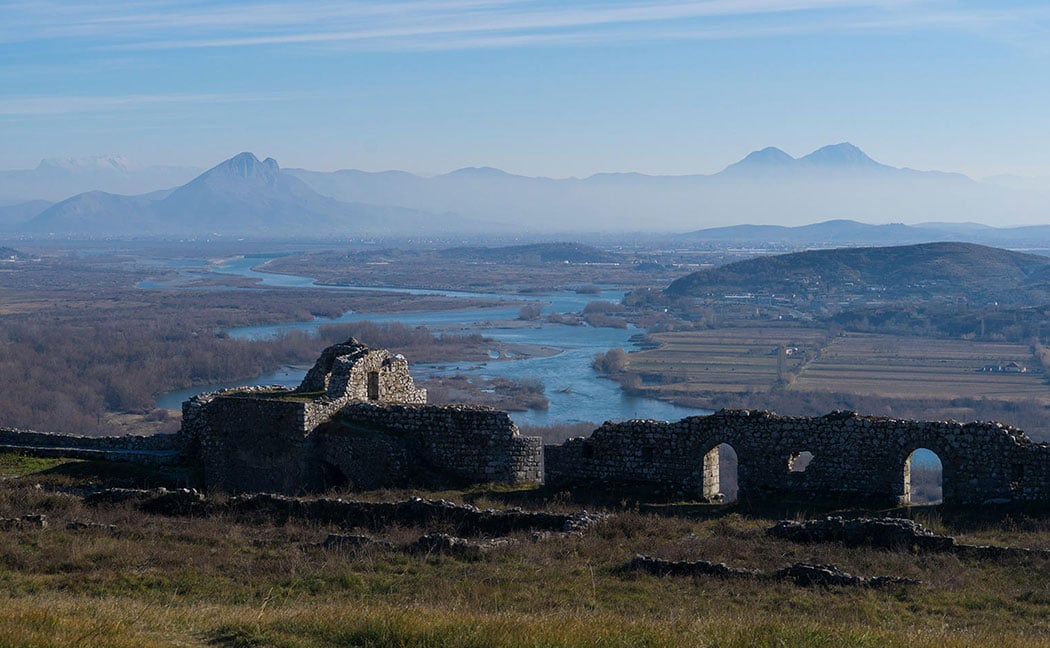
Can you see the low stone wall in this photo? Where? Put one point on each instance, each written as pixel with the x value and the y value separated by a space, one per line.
pixel 852 456
pixel 155 449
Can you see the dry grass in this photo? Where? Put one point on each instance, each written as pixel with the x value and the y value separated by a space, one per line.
pixel 226 581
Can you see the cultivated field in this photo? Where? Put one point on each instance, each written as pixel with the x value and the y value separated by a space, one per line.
pixel 890 366
pixel 909 367
pixel 884 375
pixel 724 360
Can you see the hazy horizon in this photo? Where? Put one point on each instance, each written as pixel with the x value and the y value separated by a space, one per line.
pixel 539 89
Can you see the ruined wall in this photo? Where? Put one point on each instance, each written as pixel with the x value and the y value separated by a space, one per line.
pixel 373 446
pixel 853 455
pixel 352 372
pixel 264 439
pixel 155 449
pixel 253 439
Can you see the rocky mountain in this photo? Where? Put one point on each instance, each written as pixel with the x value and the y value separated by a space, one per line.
pixel 927 271
pixel 834 182
pixel 56 179
pixel 242 196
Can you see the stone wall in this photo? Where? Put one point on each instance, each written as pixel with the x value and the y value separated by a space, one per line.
pixel 155 449
pixel 373 446
pixel 275 440
pixel 855 456
pixel 254 439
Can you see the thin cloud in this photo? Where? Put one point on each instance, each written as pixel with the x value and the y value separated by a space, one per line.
pixel 169 26
pixel 479 24
pixel 52 105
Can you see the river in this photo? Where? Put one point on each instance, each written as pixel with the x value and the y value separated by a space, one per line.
pixel 575 391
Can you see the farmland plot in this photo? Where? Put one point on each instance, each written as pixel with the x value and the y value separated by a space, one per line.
pixel 724 360
pixel 909 367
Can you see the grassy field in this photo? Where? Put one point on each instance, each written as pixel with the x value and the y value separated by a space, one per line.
pixel 911 367
pixel 152 580
pixel 730 360
pixel 738 367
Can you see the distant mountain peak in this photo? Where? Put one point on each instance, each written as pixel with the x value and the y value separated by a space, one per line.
pixel 245 166
pixel 839 155
pixel 765 159
pixel 117 163
pixel 769 155
pixel 482 172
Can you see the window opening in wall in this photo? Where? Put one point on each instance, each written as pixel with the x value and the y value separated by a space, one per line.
pixel 1016 477
pixel 373 385
pixel 799 461
pixel 923 478
pixel 720 474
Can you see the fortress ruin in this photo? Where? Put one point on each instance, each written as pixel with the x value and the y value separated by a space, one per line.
pixel 357 420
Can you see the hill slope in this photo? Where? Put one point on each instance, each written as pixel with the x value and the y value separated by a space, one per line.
pixel 948 270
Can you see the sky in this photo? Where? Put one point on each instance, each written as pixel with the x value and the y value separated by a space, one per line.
pixel 538 88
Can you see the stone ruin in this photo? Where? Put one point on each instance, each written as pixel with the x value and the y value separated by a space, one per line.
pixel 352 372
pixel 853 457
pixel 357 420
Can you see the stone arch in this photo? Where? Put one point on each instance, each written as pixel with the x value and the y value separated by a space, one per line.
pixel 923 477
pixel 720 474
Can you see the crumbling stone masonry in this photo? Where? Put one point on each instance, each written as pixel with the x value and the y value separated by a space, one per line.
pixel 356 420
pixel 853 456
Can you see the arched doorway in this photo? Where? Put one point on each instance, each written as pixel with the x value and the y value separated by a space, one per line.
pixel 720 474
pixel 923 478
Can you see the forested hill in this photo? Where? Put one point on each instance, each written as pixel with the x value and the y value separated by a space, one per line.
pixel 947 270
pixel 535 253
pixel 10 254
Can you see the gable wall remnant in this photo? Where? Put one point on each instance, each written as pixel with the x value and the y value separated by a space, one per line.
pixel 352 372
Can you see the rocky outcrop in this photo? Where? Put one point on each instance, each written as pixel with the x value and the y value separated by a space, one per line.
pixel 801 574
pixel 808 575
pixel 893 534
pixel 881 533
pixel 662 567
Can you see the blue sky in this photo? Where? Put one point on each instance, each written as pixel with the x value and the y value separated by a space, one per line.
pixel 538 88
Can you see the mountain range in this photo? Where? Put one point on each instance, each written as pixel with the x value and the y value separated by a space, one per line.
pixel 837 183
pixel 241 196
pixel 57 179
